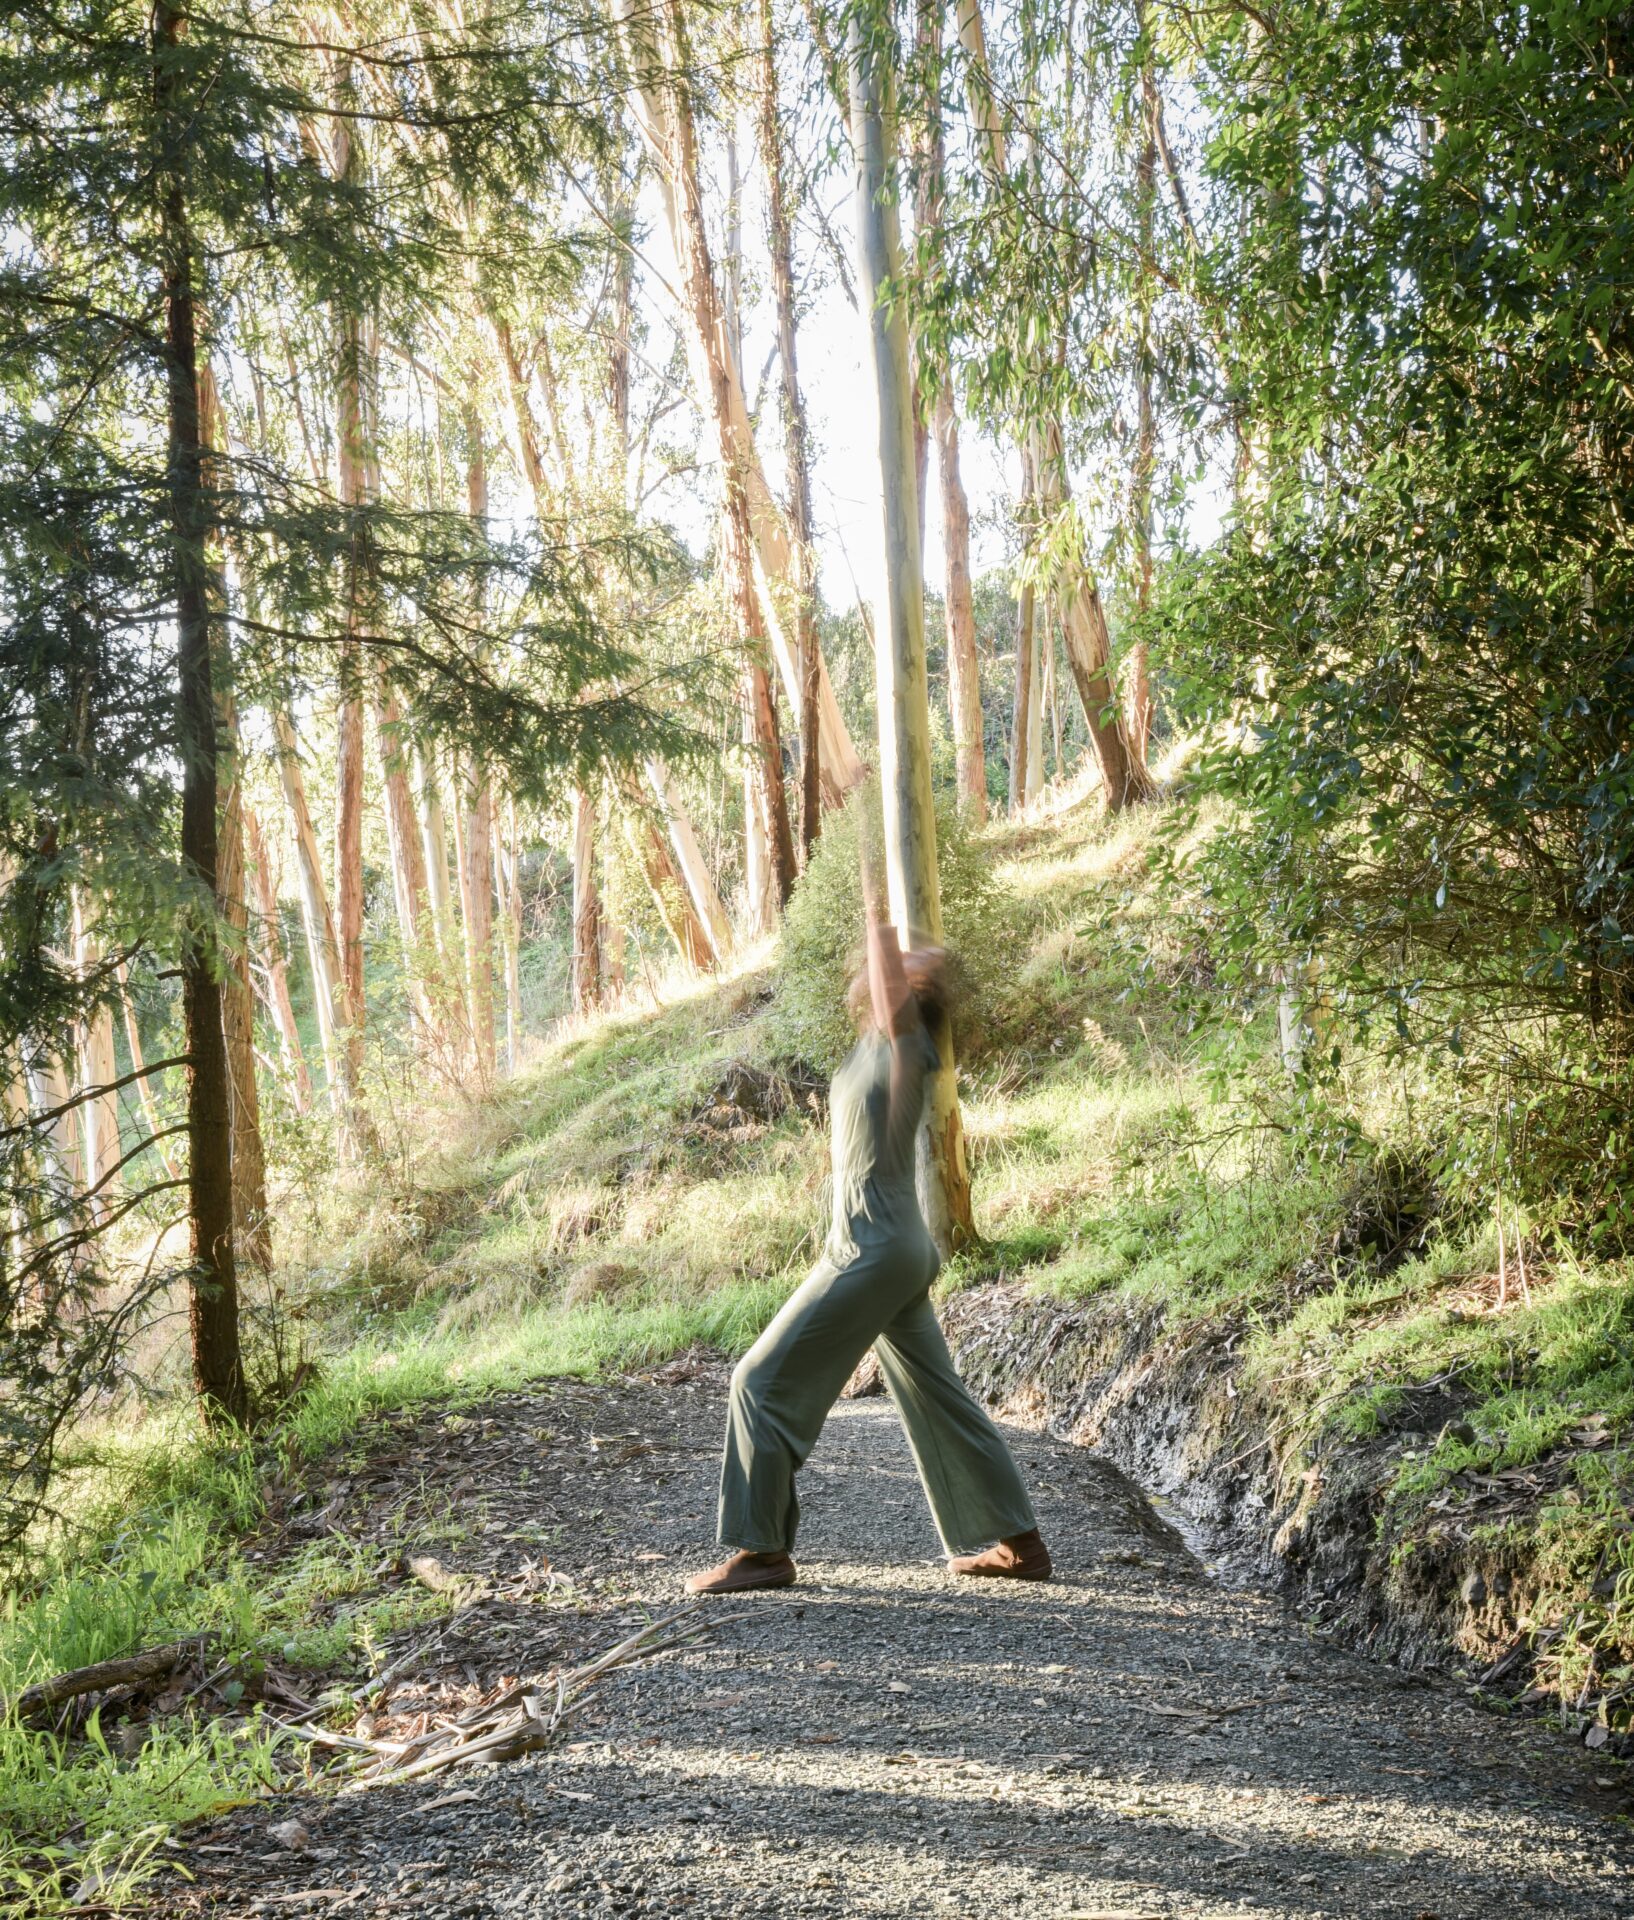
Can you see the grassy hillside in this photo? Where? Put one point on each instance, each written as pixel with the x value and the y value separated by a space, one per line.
pixel 655 1178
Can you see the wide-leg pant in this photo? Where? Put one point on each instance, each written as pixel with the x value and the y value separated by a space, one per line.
pixel 784 1386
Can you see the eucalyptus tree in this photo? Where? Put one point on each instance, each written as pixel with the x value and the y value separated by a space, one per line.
pixel 156 180
pixel 902 696
pixel 1423 648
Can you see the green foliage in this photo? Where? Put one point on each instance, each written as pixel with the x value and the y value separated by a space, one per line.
pixel 1413 656
pixel 822 943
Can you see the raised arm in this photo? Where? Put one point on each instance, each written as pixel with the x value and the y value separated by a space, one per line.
pixel 895 1009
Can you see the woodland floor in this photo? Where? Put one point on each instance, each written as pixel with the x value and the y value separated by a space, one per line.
pixel 1129 1740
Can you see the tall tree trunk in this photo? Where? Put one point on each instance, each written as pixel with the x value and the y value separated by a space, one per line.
pixel 138 1061
pixel 218 1366
pixel 1138 689
pixel 408 868
pixel 770 806
pixel 668 889
pixel 760 903
pixel 271 940
pixel 663 110
pixel 355 428
pixel 476 840
pixel 903 691
pixel 586 905
pixel 62 1164
pixel 796 438
pixel 964 678
pixel 700 883
pixel 99 1115
pixel 1023 768
pixel 428 804
pixel 964 682
pixel 1051 692
pixel 252 1226
pixel 323 950
pixel 511 905
pixel 613 901
pixel 1035 704
pixel 1089 644
pixel 477 908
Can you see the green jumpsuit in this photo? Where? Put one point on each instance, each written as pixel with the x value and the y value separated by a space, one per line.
pixel 870 1288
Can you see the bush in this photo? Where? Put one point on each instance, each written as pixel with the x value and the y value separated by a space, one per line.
pixel 822 944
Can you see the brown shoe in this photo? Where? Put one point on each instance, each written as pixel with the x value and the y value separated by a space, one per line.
pixel 1023 1556
pixel 743 1573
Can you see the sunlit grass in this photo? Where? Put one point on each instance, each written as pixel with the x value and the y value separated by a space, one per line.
pixel 578 1222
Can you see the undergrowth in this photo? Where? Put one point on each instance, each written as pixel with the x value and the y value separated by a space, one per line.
pixel 655 1178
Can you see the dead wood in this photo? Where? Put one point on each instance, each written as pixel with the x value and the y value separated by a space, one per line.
pixel 153 1663
pixel 523 1717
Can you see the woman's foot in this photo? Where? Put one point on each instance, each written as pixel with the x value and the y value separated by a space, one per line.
pixel 1023 1556
pixel 743 1573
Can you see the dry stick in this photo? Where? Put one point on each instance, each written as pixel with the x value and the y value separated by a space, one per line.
pixel 523 1733
pixel 147 1665
pixel 405 1663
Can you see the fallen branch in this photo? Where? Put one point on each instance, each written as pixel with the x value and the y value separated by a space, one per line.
pixel 151 1664
pixel 515 1722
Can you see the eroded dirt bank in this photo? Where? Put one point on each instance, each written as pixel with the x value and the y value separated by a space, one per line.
pixel 1426 1584
pixel 879 1741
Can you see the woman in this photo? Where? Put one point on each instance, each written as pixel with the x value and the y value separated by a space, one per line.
pixel 871 1288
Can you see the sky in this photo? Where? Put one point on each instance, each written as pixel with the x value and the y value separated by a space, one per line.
pixel 837 381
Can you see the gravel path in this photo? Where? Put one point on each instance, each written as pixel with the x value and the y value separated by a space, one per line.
pixel 879 1741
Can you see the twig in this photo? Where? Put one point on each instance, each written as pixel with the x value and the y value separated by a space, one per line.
pixel 404 1663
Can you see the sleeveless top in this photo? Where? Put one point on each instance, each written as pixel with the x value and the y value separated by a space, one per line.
pixel 873 1139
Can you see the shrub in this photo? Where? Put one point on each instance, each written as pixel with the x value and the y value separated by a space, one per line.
pixel 822 944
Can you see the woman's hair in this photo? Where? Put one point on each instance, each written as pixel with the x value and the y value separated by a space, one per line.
pixel 930 974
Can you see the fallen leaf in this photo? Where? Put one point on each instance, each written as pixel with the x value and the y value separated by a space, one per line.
pixel 459 1798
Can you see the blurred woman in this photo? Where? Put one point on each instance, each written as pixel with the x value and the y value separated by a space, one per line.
pixel 871 1288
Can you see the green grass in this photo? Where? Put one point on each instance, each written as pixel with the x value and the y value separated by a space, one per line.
pixel 146 1565
pixel 580 1222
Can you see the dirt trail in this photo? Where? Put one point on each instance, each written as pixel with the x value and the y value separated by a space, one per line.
pixel 878 1741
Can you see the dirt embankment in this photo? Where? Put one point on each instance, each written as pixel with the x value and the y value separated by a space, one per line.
pixel 1447 1579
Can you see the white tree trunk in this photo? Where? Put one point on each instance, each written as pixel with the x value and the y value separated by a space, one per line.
pixel 903 688
pixel 323 952
pixel 271 942
pixel 428 806
pixel 695 874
